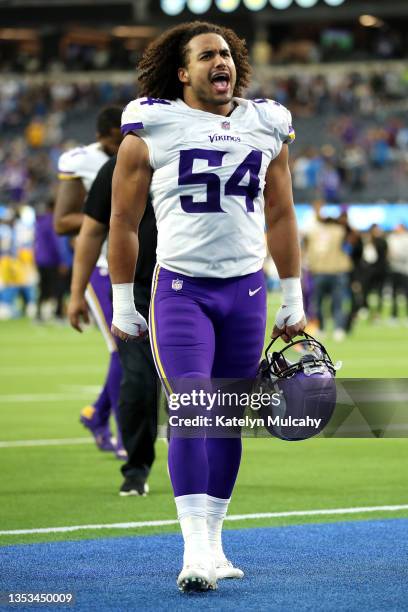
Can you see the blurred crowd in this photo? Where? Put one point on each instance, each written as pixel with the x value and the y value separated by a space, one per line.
pixel 25 101
pixel 364 161
pixel 306 94
pixel 82 49
pixel 310 94
pixel 35 264
pixel 353 272
pixel 352 135
pixel 349 274
pixel 33 128
pixel 69 54
pixel 353 146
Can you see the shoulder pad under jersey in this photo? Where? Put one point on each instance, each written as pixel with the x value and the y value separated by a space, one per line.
pixel 142 114
pixel 278 116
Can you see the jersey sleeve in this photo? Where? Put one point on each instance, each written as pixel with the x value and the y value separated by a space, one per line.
pixel 148 118
pixel 69 164
pixel 282 120
pixel 98 202
pixel 132 119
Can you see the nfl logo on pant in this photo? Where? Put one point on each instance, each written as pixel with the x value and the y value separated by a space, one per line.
pixel 177 284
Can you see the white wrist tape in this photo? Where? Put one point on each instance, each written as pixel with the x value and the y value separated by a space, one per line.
pixel 291 311
pixel 122 297
pixel 125 316
pixel 291 291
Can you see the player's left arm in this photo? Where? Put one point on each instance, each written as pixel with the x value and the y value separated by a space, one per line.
pixel 283 244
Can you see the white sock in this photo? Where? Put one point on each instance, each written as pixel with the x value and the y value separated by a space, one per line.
pixel 192 512
pixel 216 513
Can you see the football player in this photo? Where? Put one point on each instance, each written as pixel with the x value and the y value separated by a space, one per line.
pixel 217 168
pixel 77 169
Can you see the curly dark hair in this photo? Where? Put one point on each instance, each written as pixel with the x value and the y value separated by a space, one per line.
pixel 163 57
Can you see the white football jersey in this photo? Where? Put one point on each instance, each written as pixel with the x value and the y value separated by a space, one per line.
pixel 84 163
pixel 208 181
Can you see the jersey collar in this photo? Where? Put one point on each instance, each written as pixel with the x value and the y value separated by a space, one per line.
pixel 240 107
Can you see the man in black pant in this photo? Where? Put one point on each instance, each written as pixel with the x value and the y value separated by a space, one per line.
pixel 139 389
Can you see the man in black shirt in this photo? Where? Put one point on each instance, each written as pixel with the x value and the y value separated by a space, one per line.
pixel 139 386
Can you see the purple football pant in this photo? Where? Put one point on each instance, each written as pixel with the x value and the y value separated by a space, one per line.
pixel 205 328
pixel 99 299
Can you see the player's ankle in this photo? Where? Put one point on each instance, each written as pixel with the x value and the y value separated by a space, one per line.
pixel 216 548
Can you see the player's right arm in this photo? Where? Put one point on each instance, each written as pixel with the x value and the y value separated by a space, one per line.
pixel 130 189
pixel 94 229
pixel 87 250
pixel 70 195
pixel 67 213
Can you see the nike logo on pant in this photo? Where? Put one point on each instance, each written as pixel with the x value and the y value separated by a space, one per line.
pixel 251 293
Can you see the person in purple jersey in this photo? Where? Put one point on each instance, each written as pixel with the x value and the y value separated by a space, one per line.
pixel 77 169
pixel 49 259
pixel 217 168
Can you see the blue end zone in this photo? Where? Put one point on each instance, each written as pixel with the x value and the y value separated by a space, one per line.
pixel 341 566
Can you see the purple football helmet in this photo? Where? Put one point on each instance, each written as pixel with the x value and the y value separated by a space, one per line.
pixel 302 376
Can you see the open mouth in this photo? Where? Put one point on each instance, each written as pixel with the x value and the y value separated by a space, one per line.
pixel 220 81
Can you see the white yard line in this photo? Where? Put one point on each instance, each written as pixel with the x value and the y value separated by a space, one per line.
pixel 47 442
pixel 233 517
pixel 17 398
pixel 59 369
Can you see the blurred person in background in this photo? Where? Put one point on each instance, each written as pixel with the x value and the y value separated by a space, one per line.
pixel 306 169
pixel 308 295
pixel 50 261
pixel 14 177
pixel 380 153
pixel 77 169
pixel 374 268
pixel 35 133
pixel 330 266
pixel 354 165
pixel 8 273
pixel 353 246
pixel 139 389
pixel 329 180
pixel 314 168
pixel 17 271
pixel 299 168
pixel 398 260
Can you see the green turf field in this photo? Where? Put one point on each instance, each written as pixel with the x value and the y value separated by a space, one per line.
pixel 48 372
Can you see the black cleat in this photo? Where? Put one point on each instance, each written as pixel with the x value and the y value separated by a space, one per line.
pixel 134 486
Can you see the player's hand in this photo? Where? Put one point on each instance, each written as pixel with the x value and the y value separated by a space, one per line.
pixel 127 323
pixel 131 326
pixel 78 311
pixel 290 321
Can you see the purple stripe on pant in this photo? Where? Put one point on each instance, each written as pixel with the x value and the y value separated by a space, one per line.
pixel 207 328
